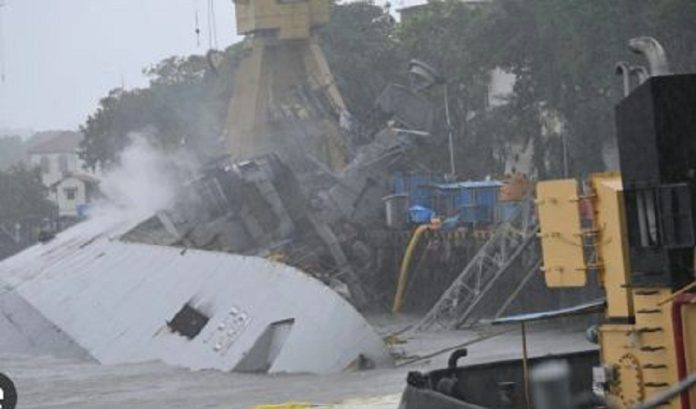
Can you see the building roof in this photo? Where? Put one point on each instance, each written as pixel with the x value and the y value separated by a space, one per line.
pixel 83 177
pixel 56 142
pixel 470 184
pixel 591 307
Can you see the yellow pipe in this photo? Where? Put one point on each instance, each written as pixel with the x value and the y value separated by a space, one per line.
pixel 406 261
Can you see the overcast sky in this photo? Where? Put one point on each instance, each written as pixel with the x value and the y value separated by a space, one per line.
pixel 62 56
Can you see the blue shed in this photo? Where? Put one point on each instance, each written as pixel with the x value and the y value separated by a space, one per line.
pixel 417 186
pixel 474 201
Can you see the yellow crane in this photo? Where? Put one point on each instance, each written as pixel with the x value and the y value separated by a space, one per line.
pixel 285 98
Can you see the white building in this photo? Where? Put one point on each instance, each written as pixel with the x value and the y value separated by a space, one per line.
pixel 71 187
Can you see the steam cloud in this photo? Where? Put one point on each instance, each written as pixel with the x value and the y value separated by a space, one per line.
pixel 145 181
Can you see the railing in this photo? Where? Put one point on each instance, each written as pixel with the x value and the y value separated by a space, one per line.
pixel 512 242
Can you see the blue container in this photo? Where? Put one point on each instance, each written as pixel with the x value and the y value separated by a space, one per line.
pixel 474 201
pixel 487 201
pixel 416 186
pixel 469 214
pixel 420 214
pixel 82 210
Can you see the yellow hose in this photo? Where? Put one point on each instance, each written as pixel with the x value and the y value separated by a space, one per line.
pixel 406 261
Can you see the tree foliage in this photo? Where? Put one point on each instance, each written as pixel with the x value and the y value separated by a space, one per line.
pixel 23 196
pixel 12 151
pixel 363 53
pixel 438 35
pixel 562 54
pixel 184 105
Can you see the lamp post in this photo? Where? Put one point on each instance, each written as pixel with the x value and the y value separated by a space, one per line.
pixel 450 132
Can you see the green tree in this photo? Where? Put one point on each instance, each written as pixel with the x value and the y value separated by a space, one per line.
pixel 23 197
pixel 186 102
pixel 440 34
pixel 563 54
pixel 12 151
pixel 363 53
pixel 184 105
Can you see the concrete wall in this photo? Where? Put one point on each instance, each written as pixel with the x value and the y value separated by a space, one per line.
pixel 54 172
pixel 67 203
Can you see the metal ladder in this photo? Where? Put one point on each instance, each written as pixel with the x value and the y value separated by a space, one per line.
pixel 512 242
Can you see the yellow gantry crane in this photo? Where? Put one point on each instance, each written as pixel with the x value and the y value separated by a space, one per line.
pixel 285 98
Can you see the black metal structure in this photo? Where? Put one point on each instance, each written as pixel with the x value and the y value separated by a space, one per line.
pixel 656 128
pixel 491 385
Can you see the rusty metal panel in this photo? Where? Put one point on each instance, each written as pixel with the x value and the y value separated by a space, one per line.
pixel 561 234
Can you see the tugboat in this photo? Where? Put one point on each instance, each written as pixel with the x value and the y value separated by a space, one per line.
pixel 640 241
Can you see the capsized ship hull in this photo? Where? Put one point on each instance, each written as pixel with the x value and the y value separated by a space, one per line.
pixel 88 294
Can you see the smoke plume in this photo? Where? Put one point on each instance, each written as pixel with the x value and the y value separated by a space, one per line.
pixel 145 180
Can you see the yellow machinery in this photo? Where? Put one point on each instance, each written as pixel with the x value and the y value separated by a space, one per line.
pixel 640 347
pixel 636 231
pixel 285 99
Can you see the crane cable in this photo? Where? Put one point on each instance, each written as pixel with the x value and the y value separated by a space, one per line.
pixel 2 43
pixel 198 25
pixel 212 26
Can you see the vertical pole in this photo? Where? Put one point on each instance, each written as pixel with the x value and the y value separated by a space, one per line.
pixel 2 44
pixel 57 211
pixel 525 367
pixel 449 134
pixel 565 154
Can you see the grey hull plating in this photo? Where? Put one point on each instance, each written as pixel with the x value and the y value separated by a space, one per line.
pixel 87 294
